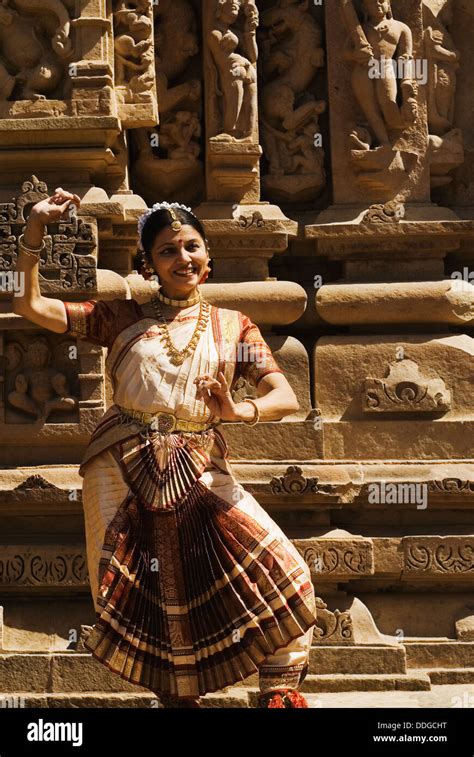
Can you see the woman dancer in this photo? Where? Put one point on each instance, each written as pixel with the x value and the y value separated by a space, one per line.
pixel 195 587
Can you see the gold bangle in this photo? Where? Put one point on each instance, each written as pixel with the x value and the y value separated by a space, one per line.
pixel 256 417
pixel 26 248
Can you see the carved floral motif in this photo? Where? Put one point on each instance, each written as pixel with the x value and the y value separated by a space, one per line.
pixel 405 389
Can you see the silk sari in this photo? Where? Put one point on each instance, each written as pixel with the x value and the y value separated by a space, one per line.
pixel 195 587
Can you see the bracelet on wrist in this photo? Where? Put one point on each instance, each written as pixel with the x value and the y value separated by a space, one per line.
pixel 256 416
pixel 22 243
pixel 33 252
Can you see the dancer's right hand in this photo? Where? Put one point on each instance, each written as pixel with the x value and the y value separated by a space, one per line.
pixel 54 208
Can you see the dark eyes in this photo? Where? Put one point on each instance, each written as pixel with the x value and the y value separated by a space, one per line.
pixel 190 246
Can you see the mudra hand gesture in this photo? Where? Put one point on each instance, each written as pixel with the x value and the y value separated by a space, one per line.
pixel 215 392
pixel 54 208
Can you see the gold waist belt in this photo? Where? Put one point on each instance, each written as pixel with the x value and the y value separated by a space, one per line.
pixel 164 422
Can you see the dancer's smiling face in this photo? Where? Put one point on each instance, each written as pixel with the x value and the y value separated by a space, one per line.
pixel 179 258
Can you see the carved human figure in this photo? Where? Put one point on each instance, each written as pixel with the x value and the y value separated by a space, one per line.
pixel 443 62
pixel 305 159
pixel 384 41
pixel 133 47
pixel 40 389
pixel 176 42
pixel 179 135
pixel 130 58
pixel 30 69
pixel 236 71
pixel 292 54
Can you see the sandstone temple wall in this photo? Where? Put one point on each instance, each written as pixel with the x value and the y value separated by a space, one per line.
pixel 329 153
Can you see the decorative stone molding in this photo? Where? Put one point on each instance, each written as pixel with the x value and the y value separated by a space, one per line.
pixel 415 302
pixel 410 237
pixel 332 627
pixel 446 556
pixel 390 212
pixel 243 231
pixel 69 261
pixel 36 482
pixel 338 559
pixel 451 486
pixel 293 482
pixel 25 565
pixel 405 389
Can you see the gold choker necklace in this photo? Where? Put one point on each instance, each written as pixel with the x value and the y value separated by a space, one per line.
pixel 179 303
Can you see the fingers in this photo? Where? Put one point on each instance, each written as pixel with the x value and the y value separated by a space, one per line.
pixel 205 379
pixel 208 388
pixel 202 379
pixel 205 384
pixel 60 197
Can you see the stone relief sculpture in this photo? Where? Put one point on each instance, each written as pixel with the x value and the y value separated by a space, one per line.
pixel 443 63
pixel 446 142
pixel 34 43
pixel 133 46
pixel 179 136
pixel 173 52
pixel 291 54
pixel 382 39
pixel 168 157
pixel 383 81
pixel 233 47
pixel 39 388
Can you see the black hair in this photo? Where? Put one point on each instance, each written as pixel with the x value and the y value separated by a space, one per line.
pixel 160 219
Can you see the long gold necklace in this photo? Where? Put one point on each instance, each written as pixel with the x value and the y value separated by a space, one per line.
pixel 177 357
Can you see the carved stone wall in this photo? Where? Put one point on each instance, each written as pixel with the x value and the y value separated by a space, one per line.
pixel 327 149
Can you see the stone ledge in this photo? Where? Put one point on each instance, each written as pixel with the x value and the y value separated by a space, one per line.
pixel 417 681
pixel 450 675
pixel 355 660
pixel 436 654
pixel 230 698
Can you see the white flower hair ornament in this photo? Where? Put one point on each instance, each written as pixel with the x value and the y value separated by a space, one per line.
pixel 159 206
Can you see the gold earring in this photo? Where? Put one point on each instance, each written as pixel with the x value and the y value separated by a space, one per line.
pixel 147 270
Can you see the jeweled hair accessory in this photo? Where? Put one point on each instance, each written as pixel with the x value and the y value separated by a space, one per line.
pixel 158 206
